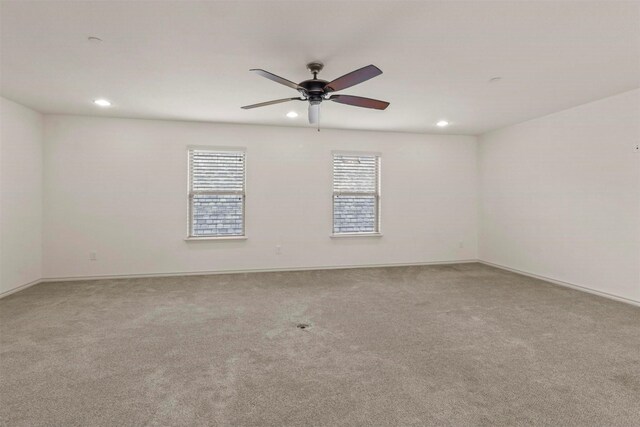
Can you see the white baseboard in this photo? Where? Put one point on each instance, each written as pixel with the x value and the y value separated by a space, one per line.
pixel 563 283
pixel 257 270
pixel 339 267
pixel 19 288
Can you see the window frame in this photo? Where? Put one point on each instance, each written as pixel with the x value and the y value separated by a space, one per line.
pixel 378 194
pixel 191 193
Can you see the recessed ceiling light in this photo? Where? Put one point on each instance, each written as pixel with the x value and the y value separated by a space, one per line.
pixel 93 39
pixel 292 114
pixel 442 123
pixel 102 102
pixel 495 79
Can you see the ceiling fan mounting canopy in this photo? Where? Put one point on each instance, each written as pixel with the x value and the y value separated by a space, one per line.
pixel 316 90
pixel 315 67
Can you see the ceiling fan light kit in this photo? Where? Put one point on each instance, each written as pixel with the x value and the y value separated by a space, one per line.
pixel 316 90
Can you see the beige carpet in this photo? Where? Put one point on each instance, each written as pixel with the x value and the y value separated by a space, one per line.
pixel 444 345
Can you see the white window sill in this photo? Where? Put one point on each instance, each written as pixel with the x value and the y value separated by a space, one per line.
pixel 341 235
pixel 195 239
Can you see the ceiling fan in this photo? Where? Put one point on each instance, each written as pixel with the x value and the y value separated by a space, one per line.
pixel 317 90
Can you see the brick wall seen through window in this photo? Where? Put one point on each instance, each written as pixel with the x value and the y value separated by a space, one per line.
pixel 356 193
pixel 216 193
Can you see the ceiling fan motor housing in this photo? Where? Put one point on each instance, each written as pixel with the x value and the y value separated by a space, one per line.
pixel 313 88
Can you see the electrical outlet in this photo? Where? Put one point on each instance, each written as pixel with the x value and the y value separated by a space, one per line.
pixel 93 256
pixel 636 148
pixel 278 250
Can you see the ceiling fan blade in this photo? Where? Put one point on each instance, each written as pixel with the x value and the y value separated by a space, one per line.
pixel 314 113
pixel 353 78
pixel 359 101
pixel 264 104
pixel 276 79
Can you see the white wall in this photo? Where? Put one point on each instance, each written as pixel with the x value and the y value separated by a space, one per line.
pixel 560 196
pixel 118 187
pixel 21 140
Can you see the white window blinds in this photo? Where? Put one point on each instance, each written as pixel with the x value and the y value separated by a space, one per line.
pixel 216 193
pixel 356 193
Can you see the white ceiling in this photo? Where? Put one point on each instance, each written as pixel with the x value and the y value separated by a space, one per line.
pixel 190 60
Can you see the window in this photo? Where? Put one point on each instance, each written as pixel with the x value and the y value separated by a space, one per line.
pixel 356 193
pixel 216 193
